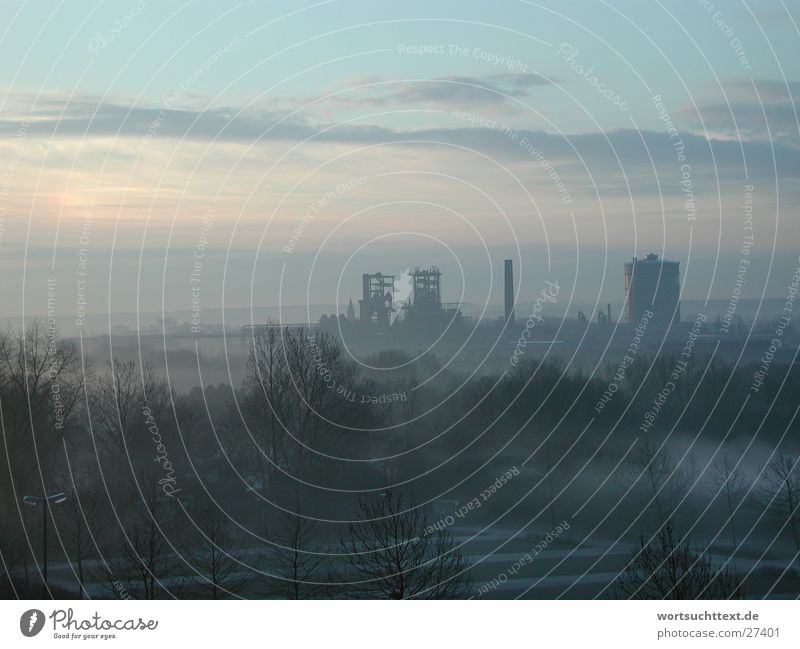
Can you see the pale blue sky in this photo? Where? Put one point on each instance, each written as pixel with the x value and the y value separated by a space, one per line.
pixel 241 85
pixel 166 39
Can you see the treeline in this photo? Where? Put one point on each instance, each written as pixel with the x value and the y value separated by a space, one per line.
pixel 212 493
pixel 304 478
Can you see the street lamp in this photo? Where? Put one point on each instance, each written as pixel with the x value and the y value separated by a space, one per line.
pixel 46 502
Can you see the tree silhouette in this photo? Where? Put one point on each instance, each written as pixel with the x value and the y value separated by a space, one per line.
pixel 731 484
pixel 390 555
pixel 780 491
pixel 664 568
pixel 222 573
pixel 296 561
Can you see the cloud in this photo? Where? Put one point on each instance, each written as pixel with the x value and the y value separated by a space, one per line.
pixel 770 111
pixel 447 91
pixel 774 120
pixel 490 91
pixel 709 156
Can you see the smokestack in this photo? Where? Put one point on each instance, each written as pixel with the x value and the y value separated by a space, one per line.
pixel 609 313
pixel 509 286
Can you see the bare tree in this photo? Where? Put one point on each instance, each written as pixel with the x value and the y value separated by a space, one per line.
pixel 292 403
pixel 653 472
pixel 391 555
pixel 224 575
pixel 265 400
pixel 299 565
pixel 40 386
pixel 117 399
pixel 554 461
pixel 143 560
pixel 731 484
pixel 82 510
pixel 12 555
pixel 663 568
pixel 780 491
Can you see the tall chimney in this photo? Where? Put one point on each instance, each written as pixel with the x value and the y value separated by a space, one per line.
pixel 509 286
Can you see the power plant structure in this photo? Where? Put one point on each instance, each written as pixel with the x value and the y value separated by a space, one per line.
pixel 423 311
pixel 406 310
pixel 409 306
pixel 376 304
pixel 652 284
pixel 426 308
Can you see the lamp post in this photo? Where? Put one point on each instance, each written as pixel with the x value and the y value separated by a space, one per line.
pixel 46 502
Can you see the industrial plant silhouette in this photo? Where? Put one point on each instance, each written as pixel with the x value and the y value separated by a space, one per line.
pixel 411 308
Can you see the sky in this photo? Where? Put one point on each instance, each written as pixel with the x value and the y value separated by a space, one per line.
pixel 157 155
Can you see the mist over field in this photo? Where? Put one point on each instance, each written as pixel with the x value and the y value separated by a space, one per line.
pixel 347 300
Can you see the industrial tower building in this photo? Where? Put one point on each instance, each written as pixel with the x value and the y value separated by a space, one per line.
pixel 652 284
